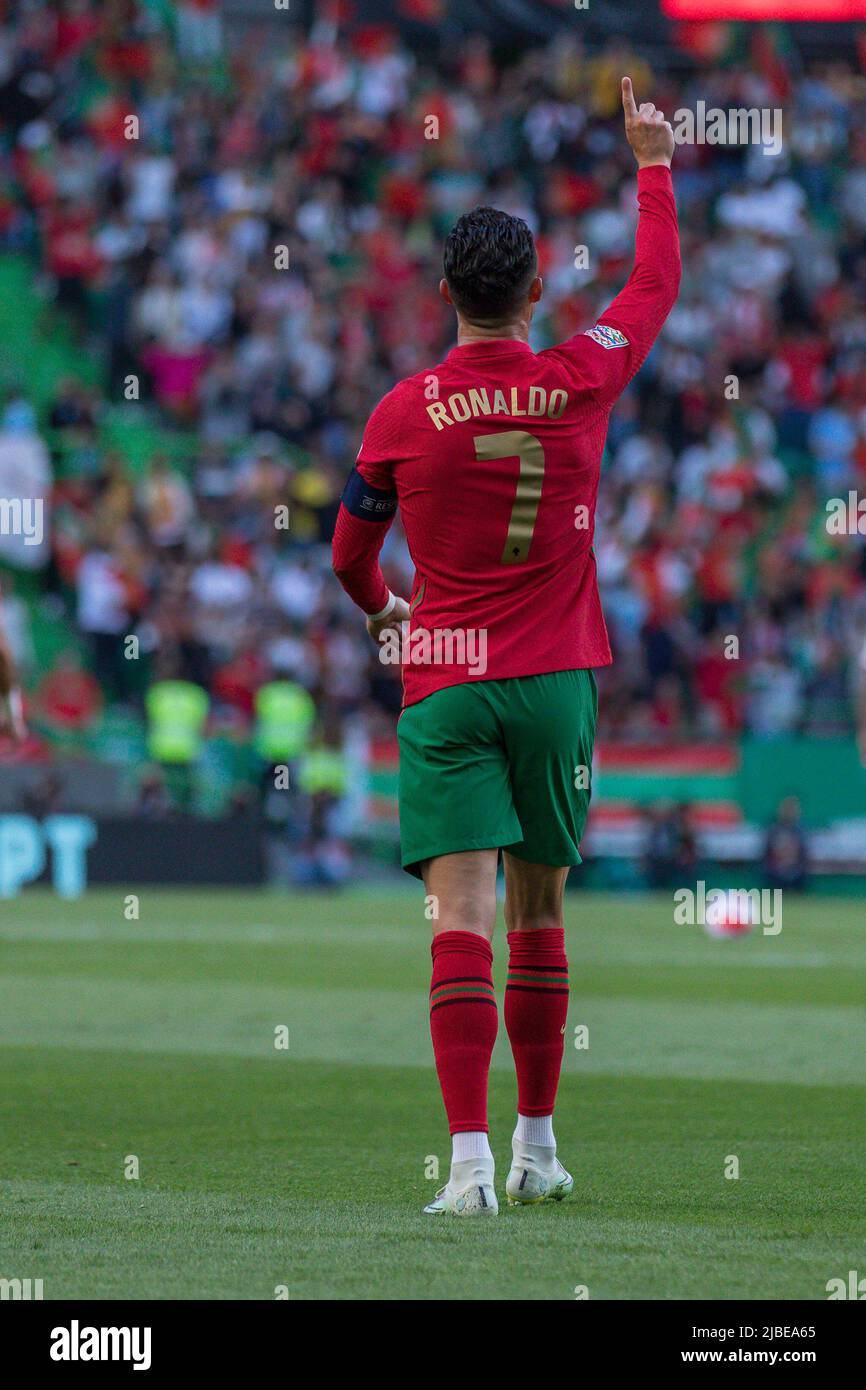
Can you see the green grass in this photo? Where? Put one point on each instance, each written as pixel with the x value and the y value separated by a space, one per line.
pixel 306 1167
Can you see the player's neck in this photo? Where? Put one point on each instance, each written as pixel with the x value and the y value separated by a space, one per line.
pixel 468 333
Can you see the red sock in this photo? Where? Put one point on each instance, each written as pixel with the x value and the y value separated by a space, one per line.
pixel 536 1004
pixel 463 1024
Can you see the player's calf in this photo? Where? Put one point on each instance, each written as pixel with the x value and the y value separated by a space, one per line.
pixel 536 1006
pixel 463 1025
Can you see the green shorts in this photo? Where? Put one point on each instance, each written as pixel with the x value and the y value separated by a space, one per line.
pixel 498 764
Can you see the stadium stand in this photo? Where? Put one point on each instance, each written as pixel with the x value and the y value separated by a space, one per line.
pixel 199 312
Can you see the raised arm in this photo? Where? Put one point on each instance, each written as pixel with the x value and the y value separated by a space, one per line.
pixel 608 355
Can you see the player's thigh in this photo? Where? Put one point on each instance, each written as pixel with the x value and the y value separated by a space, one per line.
pixel 454 787
pixel 549 729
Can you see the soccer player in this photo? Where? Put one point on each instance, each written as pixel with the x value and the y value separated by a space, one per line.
pixel 494 458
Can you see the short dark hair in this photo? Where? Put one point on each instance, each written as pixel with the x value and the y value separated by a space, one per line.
pixel 490 263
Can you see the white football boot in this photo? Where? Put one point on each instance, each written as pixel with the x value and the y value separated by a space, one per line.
pixel 469 1190
pixel 536 1175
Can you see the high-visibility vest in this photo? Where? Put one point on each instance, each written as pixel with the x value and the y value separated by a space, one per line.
pixel 176 713
pixel 284 717
pixel 323 770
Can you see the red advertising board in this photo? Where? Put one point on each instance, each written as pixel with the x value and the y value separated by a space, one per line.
pixel 817 10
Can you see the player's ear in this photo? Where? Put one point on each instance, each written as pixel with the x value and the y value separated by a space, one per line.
pixel 445 292
pixel 536 290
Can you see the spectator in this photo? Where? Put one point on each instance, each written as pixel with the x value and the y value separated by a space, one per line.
pixel 264 259
pixel 786 856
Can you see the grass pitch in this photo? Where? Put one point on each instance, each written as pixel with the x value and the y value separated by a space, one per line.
pixel 306 1166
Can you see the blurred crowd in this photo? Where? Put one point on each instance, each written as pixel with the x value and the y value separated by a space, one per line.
pixel 253 261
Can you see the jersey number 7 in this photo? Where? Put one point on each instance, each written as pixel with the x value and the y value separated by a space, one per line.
pixel 530 480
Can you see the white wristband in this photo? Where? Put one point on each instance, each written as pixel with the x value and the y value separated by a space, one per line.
pixel 389 608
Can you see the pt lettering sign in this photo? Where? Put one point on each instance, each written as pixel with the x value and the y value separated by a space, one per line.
pixel 60 843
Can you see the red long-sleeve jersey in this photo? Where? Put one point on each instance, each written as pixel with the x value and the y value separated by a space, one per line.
pixel 494 458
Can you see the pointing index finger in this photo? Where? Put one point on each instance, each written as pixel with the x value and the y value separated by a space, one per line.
pixel 628 102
